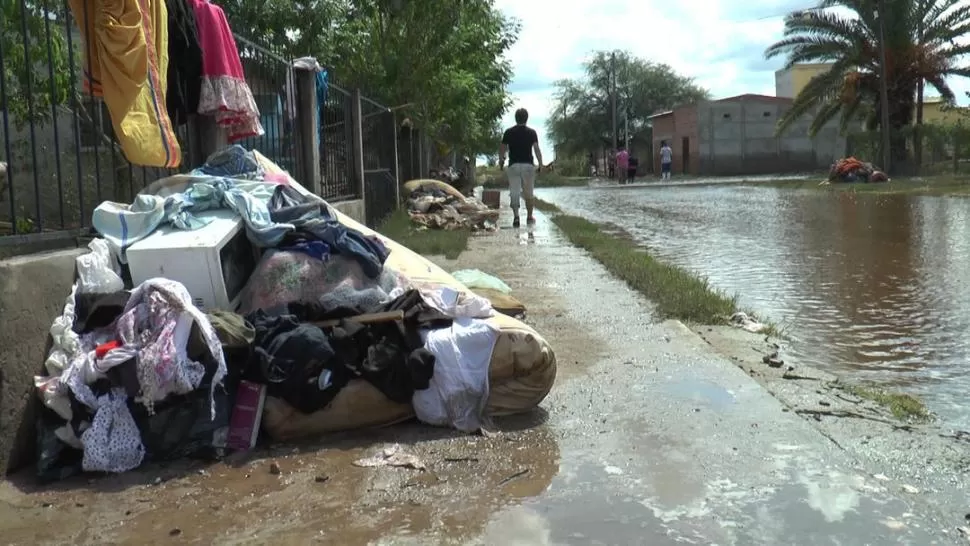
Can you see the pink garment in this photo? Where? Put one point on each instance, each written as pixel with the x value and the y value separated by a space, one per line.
pixel 224 93
pixel 623 159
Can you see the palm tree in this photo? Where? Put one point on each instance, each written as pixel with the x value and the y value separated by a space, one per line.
pixel 920 46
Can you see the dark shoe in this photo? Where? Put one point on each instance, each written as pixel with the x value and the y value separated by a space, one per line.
pixel 530 221
pixel 515 222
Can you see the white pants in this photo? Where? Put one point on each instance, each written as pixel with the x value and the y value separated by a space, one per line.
pixel 522 179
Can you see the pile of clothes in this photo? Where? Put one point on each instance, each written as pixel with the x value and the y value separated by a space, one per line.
pixel 140 373
pixel 438 207
pixel 850 169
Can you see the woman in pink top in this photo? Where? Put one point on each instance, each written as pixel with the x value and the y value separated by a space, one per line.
pixel 622 164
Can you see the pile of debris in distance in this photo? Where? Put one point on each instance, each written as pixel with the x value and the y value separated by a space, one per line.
pixel 850 169
pixel 436 205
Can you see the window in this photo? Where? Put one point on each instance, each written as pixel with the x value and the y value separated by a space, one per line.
pixel 767 114
pixel 727 116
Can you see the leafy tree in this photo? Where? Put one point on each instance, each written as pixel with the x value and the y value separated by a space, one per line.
pixel 921 44
pixel 30 93
pixel 582 118
pixel 441 60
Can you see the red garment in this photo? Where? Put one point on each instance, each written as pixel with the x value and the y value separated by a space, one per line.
pixel 105 348
pixel 225 93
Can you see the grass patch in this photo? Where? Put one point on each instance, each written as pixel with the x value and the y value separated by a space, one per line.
pixel 928 185
pixel 676 292
pixel 429 242
pixel 904 407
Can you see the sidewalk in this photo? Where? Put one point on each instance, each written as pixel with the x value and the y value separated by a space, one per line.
pixel 663 442
pixel 648 437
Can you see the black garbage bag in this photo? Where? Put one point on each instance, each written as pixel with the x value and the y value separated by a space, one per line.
pixel 182 425
pixel 56 460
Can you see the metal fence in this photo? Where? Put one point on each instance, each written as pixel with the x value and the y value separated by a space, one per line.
pixel 379 150
pixel 271 78
pixel 59 157
pixel 945 149
pixel 56 139
pixel 336 143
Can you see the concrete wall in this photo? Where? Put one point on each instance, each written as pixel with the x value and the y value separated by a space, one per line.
pixel 737 137
pixel 674 128
pixel 785 83
pixel 353 208
pixel 32 292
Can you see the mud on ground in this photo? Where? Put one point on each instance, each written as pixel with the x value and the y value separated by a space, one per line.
pixel 290 494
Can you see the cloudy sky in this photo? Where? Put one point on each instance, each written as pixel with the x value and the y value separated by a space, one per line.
pixel 720 43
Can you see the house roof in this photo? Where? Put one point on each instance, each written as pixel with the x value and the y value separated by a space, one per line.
pixel 755 96
pixel 661 114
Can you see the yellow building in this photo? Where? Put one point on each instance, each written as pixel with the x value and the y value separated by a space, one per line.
pixel 789 83
pixel 936 112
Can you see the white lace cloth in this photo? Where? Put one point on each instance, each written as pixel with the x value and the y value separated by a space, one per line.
pixel 154 328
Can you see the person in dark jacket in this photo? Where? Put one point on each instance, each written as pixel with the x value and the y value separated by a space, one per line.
pixel 631 171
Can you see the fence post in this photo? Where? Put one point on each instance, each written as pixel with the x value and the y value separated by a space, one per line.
pixel 356 116
pixel 308 135
pixel 211 138
pixel 397 164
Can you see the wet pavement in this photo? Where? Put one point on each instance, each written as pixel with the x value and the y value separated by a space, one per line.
pixel 649 437
pixel 873 287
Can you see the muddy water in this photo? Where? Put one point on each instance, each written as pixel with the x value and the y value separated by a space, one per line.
pixel 875 286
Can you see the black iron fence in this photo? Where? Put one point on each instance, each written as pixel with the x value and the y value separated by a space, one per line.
pixel 379 150
pixel 336 143
pixel 60 157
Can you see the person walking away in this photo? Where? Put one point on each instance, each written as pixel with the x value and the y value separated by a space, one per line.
pixel 631 172
pixel 519 142
pixel 622 164
pixel 666 160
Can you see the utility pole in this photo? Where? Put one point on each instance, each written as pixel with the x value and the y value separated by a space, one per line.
pixel 918 133
pixel 626 130
pixel 884 89
pixel 616 136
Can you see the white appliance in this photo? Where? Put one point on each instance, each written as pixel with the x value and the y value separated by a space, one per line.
pixel 214 262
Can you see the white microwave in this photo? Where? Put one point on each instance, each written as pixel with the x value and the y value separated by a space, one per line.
pixel 214 262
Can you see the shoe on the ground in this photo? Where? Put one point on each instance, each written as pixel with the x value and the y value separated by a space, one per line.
pixel 530 221
pixel 515 222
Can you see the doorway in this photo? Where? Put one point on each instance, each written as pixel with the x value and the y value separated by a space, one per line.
pixel 685 153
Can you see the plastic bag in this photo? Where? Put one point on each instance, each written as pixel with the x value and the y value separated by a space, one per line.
pixel 475 278
pixel 96 270
pixel 284 277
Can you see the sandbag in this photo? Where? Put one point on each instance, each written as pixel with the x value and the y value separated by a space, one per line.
pixel 521 373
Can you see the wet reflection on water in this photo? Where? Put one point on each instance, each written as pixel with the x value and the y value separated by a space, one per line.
pixel 877 285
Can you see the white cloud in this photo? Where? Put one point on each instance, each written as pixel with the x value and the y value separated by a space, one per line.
pixel 719 43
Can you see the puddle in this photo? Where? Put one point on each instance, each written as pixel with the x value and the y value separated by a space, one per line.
pixel 703 392
pixel 316 491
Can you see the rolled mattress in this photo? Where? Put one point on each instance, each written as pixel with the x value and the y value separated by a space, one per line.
pixel 521 373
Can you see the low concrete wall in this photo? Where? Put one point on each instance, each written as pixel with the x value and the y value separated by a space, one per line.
pixel 353 208
pixel 32 293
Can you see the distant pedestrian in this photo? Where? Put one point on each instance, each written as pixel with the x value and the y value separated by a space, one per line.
pixel 519 142
pixel 631 172
pixel 666 160
pixel 622 164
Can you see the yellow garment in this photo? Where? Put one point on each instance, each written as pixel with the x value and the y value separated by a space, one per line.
pixel 126 62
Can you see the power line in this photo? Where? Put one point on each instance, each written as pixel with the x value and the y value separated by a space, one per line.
pixel 786 14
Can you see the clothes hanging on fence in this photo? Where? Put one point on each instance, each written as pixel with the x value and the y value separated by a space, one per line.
pixel 224 93
pixel 322 88
pixel 126 63
pixel 184 62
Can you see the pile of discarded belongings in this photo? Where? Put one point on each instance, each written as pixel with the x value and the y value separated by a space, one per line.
pixel 231 301
pixel 436 205
pixel 850 169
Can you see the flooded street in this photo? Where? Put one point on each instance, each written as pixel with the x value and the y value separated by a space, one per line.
pixel 875 287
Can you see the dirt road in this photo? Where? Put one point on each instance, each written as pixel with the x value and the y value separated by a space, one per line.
pixel 649 437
